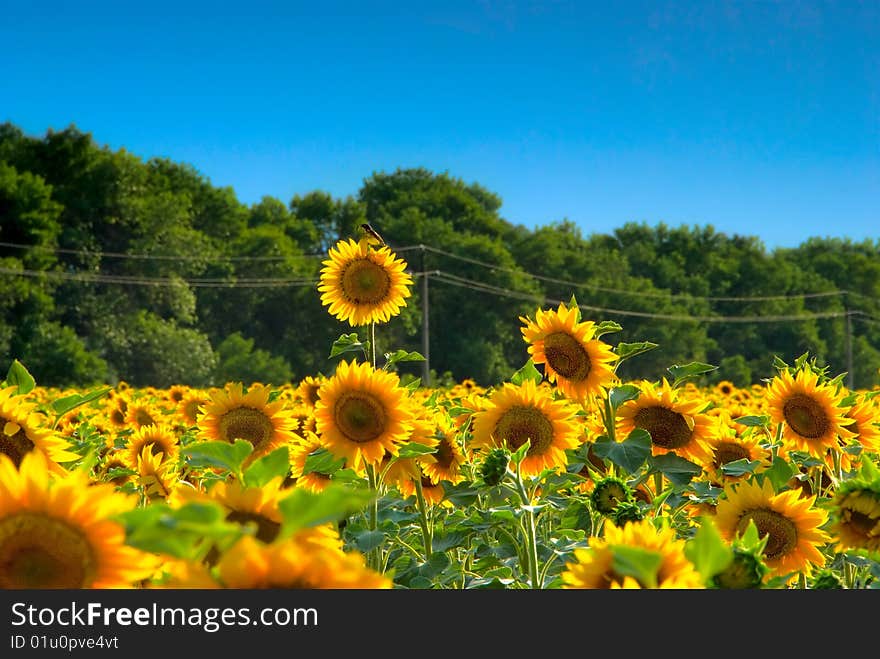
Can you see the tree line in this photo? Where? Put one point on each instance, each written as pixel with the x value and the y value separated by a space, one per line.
pixel 113 267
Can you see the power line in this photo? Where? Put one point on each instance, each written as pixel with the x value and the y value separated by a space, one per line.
pixel 496 290
pixel 159 281
pixel 565 282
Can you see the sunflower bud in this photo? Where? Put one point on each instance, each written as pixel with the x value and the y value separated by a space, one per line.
pixel 494 466
pixel 609 493
pixel 626 511
pixel 826 580
pixel 746 571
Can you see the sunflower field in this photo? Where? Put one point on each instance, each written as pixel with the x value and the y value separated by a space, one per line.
pixel 564 476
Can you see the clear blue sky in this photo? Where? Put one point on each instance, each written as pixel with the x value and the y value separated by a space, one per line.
pixel 759 118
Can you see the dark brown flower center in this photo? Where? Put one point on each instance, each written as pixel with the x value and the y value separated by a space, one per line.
pixel 246 423
pixel 668 429
pixel 782 532
pixel 567 356
pixel 365 282
pixel 37 551
pixel 806 416
pixel 359 416
pixel 521 423
pixel 266 529
pixel 14 441
pixel 729 452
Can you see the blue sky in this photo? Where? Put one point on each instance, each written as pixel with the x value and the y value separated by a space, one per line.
pixel 759 118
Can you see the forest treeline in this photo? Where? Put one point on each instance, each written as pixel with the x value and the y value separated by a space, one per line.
pixel 113 267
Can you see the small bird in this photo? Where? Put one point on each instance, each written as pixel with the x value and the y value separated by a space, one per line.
pixel 372 233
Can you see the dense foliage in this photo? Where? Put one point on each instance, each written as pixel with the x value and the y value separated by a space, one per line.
pixel 114 268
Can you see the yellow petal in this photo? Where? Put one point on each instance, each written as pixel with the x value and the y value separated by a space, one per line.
pixel 11 428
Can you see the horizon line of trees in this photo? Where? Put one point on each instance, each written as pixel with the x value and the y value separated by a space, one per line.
pixel 143 271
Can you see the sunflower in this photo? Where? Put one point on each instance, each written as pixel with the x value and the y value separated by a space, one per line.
pixel 176 393
pixel 59 532
pixel 517 413
pixel 362 413
pixel 434 493
pixel 142 412
pixel 445 463
pixel 856 512
pixel 307 390
pixel 363 285
pixel 578 363
pixel 230 414
pixel 155 476
pixel 22 431
pixel 724 389
pixel 727 446
pixel 862 418
pixel 594 567
pixel 674 421
pixel 791 522
pixel 294 564
pixel 189 406
pixel 314 481
pixel 158 440
pixel 810 413
pixel 248 506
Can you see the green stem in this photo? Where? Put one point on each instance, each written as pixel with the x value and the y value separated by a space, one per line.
pixel 427 535
pixel 531 536
pixel 373 343
pixel 374 559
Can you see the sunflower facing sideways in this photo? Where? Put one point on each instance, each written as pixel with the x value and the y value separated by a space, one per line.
pixel 595 566
pixel 810 413
pixel 362 284
pixel 362 413
pixel 517 413
pixel 232 414
pixel 578 363
pixel 792 522
pixel 58 532
pixel 675 423
pixel 856 511
pixel 22 431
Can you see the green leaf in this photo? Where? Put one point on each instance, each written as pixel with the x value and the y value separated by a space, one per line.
pixel 740 467
pixel 754 421
pixel 402 356
pixel 415 450
pixel 641 564
pixel 692 370
pixel 520 454
pixel 349 343
pixel 219 454
pixel 619 395
pixel 869 471
pixel 322 461
pixel 442 542
pixel 707 550
pixel 628 350
pixel 606 327
pixel 751 540
pixel 573 304
pixel 335 502
pixel 18 376
pixel 527 372
pixel 678 470
pixel 779 473
pixel 629 454
pixel 367 540
pixel 68 403
pixel 274 465
pixel 413 385
pixel 577 516
pixel 435 565
pixel 158 528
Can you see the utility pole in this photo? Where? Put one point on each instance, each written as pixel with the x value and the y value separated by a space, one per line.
pixel 426 337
